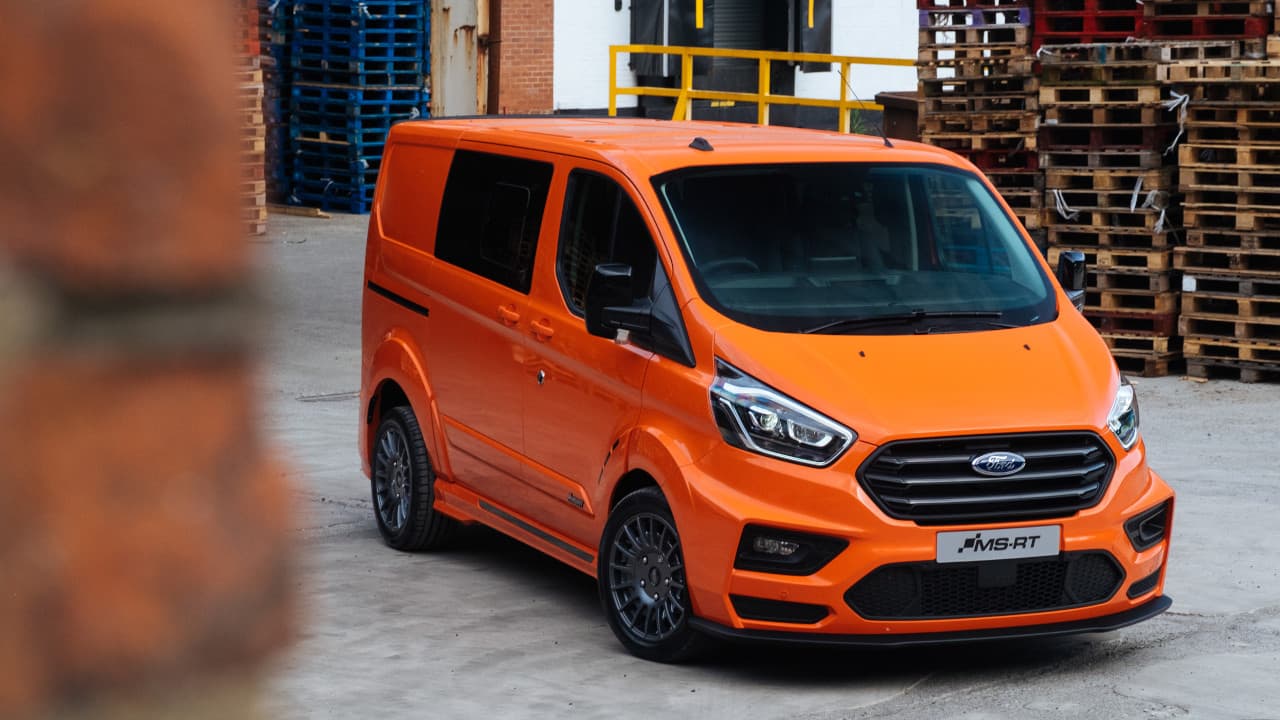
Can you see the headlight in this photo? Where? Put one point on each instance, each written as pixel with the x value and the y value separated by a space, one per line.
pixel 1123 419
pixel 755 417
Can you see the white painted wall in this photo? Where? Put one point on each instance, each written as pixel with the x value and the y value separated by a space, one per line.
pixel 584 30
pixel 868 28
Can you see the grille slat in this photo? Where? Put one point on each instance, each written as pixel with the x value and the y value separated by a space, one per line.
pixel 928 590
pixel 1004 498
pixel 941 480
pixel 932 482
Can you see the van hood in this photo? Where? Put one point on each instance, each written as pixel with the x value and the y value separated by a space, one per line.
pixel 1052 376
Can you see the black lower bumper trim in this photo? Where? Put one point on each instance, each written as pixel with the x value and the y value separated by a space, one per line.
pixel 1106 623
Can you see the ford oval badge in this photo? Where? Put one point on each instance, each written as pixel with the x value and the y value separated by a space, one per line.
pixel 998 464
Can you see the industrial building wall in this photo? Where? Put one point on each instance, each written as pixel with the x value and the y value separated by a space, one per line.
pixel 583 33
pixel 522 61
pixel 585 30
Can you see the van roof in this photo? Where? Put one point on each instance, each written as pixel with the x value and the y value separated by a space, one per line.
pixel 663 145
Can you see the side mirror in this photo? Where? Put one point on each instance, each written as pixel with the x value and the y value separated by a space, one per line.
pixel 1071 274
pixel 611 304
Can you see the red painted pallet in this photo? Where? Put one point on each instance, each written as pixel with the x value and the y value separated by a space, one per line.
pixel 1134 323
pixel 988 160
pixel 1105 137
pixel 1205 27
pixel 1061 22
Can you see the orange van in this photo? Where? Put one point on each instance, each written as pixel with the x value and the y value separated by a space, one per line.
pixel 761 383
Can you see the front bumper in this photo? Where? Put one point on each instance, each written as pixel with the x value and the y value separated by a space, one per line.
pixel 730 489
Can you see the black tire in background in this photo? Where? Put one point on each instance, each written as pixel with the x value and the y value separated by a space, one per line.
pixel 642 579
pixel 403 484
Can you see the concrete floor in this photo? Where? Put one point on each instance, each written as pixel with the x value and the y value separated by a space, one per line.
pixel 494 629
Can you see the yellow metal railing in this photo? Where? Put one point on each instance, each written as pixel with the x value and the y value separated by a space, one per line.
pixel 686 93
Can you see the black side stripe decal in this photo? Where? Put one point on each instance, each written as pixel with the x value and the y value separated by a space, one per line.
pixel 398 299
pixel 584 557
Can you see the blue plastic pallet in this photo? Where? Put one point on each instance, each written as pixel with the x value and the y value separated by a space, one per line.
pixel 318 21
pixel 357 137
pixel 363 8
pixel 313 62
pixel 325 19
pixel 319 122
pixel 329 196
pixel 310 156
pixel 371 52
pixel 333 172
pixel 360 36
pixel 366 79
pixel 358 103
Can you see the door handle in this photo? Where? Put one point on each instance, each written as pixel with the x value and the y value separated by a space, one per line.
pixel 542 329
pixel 508 314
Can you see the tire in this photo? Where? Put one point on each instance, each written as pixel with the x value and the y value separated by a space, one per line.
pixel 641 551
pixel 403 485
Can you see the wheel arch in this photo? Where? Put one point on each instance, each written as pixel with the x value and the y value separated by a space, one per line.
pixel 398 376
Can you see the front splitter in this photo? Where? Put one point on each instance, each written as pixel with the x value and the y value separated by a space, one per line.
pixel 1105 623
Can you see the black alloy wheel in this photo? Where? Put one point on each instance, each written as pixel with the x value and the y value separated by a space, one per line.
pixel 642 579
pixel 404 485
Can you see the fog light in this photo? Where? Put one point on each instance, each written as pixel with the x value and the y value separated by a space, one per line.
pixel 774 546
pixel 785 552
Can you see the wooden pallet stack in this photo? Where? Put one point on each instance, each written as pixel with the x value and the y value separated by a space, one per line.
pixel 1111 191
pixel 980 96
pixel 253 187
pixel 1230 172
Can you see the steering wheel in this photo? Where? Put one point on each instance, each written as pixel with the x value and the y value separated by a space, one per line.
pixel 739 263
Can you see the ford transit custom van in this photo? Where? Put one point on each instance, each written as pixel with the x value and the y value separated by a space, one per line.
pixel 761 383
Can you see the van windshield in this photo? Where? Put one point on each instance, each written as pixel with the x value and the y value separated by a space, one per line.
pixel 854 248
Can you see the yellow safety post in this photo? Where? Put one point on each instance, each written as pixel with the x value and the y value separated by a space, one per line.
pixel 613 81
pixel 843 123
pixel 762 93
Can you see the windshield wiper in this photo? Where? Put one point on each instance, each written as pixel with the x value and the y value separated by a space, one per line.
pixel 909 317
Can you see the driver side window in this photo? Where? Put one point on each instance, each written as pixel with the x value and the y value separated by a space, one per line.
pixel 601 225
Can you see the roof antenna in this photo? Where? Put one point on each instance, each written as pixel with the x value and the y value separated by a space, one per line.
pixel 700 143
pixel 849 85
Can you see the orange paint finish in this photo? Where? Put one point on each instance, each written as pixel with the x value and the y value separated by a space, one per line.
pixel 533 422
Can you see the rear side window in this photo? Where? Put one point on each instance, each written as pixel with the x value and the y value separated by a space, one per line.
pixel 601 225
pixel 491 214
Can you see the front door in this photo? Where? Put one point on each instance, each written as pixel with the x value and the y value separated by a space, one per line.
pixel 582 393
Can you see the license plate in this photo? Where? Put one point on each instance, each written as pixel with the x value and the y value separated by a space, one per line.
pixel 1003 544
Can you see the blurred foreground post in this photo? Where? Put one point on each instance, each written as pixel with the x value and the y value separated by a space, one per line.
pixel 143 562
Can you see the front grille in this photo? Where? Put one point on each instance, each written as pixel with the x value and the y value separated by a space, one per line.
pixel 933 482
pixel 928 590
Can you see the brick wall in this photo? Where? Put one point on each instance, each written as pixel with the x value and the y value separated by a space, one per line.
pixel 523 56
pixel 142 537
